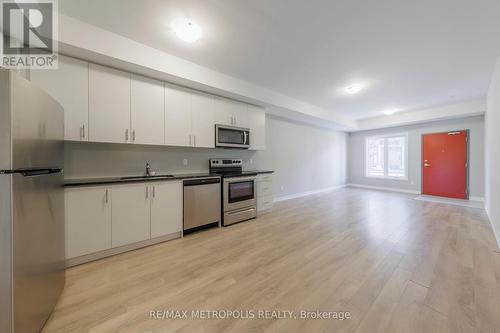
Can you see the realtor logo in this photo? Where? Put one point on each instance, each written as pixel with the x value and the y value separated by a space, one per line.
pixel 29 34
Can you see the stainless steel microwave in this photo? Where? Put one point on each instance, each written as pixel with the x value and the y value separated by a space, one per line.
pixel 232 137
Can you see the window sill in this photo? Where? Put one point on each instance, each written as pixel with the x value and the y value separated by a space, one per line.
pixel 388 178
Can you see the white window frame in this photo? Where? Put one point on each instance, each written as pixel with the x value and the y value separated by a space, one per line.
pixel 386 156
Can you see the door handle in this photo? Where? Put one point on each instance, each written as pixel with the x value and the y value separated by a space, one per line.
pixel 427 165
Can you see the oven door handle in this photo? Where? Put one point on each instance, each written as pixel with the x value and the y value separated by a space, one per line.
pixel 238 180
pixel 246 138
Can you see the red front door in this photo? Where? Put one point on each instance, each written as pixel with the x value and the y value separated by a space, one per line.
pixel 445 164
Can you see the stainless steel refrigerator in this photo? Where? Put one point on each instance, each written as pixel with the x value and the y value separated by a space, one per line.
pixel 31 204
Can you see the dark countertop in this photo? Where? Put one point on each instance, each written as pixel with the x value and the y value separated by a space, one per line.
pixel 260 171
pixel 120 180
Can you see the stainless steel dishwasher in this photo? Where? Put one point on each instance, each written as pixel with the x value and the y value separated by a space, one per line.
pixel 202 203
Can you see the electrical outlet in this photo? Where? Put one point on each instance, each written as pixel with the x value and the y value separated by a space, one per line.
pixel 185 162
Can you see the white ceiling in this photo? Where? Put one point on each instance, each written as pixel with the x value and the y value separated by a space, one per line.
pixel 411 54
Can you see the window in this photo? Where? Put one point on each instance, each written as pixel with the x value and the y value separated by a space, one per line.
pixel 387 156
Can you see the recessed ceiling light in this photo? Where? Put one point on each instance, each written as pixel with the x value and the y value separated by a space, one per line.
pixel 186 30
pixel 390 112
pixel 354 88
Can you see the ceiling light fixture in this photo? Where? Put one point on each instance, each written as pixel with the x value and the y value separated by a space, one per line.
pixel 390 112
pixel 353 89
pixel 186 30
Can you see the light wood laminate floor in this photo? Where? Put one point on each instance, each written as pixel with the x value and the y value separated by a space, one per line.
pixel 395 263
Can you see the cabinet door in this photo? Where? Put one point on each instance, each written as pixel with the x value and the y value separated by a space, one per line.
pixel 177 116
pixel 109 105
pixel 147 111
pixel 257 125
pixel 240 113
pixel 203 120
pixel 224 111
pixel 131 214
pixel 166 208
pixel 69 85
pixel 88 220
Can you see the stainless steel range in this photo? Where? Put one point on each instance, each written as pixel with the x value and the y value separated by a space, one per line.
pixel 239 190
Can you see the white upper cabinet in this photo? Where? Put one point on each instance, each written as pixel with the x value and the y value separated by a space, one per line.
pixel 131 209
pixel 241 115
pixel 109 105
pixel 257 125
pixel 202 120
pixel 102 104
pixel 224 111
pixel 69 86
pixel 230 113
pixel 177 116
pixel 147 111
pixel 166 208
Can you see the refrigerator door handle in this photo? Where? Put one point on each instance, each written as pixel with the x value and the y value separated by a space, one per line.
pixel 39 172
pixel 32 172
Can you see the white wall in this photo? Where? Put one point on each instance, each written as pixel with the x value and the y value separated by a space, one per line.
pixel 492 123
pixel 304 158
pixel 356 148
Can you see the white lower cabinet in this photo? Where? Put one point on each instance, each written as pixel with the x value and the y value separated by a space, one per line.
pixel 100 218
pixel 264 193
pixel 131 214
pixel 88 220
pixel 166 208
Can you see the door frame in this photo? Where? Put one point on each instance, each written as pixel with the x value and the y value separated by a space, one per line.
pixel 467 182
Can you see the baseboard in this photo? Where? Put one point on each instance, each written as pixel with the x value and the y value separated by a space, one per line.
pixel 118 250
pixel 304 194
pixel 379 188
pixel 492 223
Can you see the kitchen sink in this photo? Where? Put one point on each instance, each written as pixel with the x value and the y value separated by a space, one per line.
pixel 146 177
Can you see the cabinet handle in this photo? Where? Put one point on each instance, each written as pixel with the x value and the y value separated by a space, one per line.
pixel 107 196
pixel 147 192
pixel 154 191
pixel 133 135
pixel 126 134
pixel 194 138
pixel 190 139
pixel 82 132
